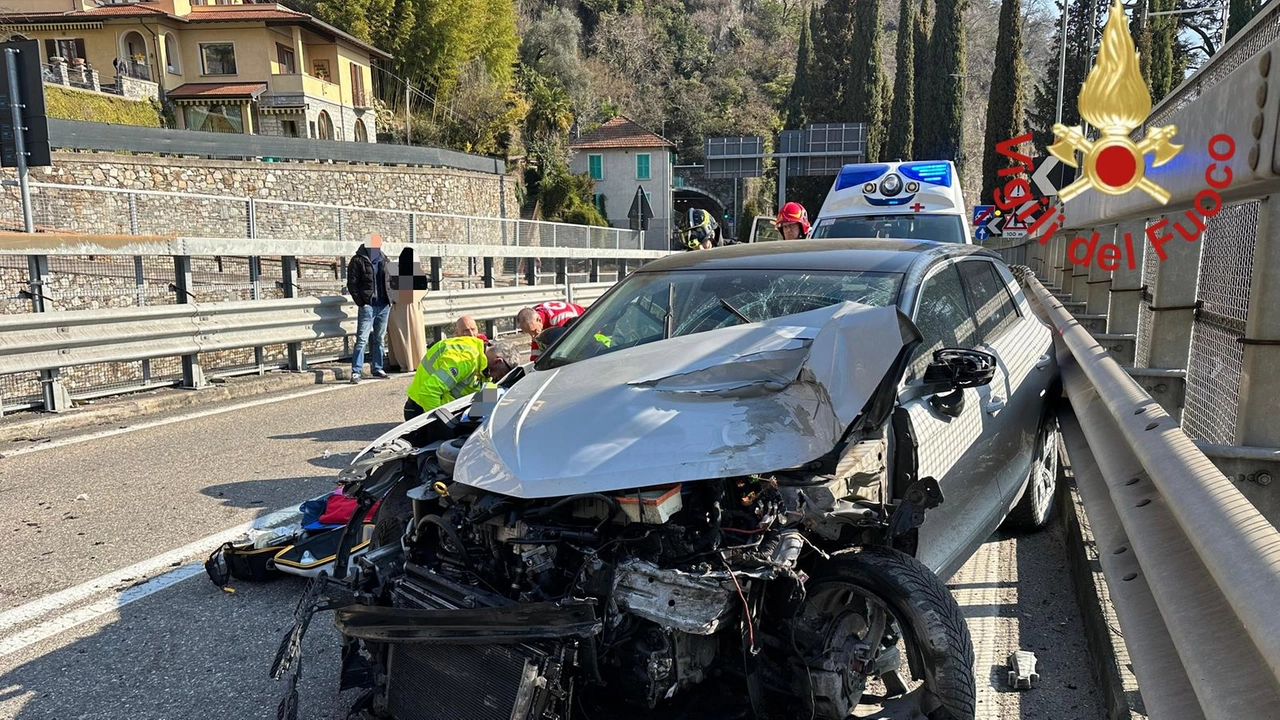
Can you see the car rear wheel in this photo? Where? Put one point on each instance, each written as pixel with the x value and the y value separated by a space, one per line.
pixel 1035 509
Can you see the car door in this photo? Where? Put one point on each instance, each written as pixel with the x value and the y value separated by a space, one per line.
pixel 1023 348
pixel 952 449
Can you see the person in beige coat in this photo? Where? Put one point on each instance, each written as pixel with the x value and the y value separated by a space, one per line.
pixel 407 328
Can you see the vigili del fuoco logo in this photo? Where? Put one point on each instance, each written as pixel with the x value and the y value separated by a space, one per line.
pixel 1115 100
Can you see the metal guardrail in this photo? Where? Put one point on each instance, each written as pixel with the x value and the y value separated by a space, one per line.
pixel 91 315
pixel 1192 564
pixel 49 341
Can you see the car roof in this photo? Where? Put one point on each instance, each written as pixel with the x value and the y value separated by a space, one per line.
pixel 840 255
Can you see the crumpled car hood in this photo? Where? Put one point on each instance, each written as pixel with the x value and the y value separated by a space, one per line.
pixel 735 401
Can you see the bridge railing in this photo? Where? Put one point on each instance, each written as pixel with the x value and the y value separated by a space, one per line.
pixel 86 316
pixel 1169 319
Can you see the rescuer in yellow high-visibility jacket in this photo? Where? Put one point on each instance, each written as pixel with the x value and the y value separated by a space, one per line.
pixel 453 368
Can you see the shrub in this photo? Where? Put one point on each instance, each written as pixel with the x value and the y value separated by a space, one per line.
pixel 66 103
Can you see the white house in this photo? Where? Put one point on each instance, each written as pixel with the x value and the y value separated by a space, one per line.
pixel 622 156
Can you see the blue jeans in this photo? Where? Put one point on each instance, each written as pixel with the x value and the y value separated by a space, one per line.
pixel 372 320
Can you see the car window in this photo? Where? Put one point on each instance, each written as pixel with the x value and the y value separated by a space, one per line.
pixel 988 298
pixel 937 228
pixel 636 312
pixel 765 231
pixel 942 315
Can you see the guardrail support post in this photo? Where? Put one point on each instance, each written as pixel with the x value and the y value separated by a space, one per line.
pixel 1074 276
pixel 562 271
pixel 1055 261
pixel 255 283
pixel 622 269
pixel 289 280
pixel 489 328
pixel 1126 283
pixel 192 375
pixel 531 271
pixel 55 395
pixel 1259 383
pixel 437 284
pixel 1099 280
pixel 593 273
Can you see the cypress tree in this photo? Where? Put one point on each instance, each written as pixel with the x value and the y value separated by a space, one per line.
pixel 1004 104
pixel 863 97
pixel 1242 11
pixel 1165 74
pixel 943 135
pixel 902 115
pixel 800 96
pixel 921 112
pixel 832 38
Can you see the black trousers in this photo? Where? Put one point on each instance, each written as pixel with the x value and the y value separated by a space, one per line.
pixel 412 410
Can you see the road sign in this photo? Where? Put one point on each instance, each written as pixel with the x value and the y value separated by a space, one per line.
pixel 30 92
pixel 980 233
pixel 734 157
pixel 982 213
pixel 641 211
pixel 1050 176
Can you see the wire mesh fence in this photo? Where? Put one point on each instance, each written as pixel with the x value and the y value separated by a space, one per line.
pixel 1216 361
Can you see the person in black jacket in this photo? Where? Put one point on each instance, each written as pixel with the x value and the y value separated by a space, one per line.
pixel 370 289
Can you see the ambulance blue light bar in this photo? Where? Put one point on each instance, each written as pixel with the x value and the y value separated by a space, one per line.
pixel 854 175
pixel 934 173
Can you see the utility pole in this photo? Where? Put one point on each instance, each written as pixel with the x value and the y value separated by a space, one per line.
pixel 1062 60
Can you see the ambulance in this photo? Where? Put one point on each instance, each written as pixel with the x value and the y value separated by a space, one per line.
pixel 916 200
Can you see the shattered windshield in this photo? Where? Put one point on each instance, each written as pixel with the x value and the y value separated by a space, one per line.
pixel 649 307
pixel 938 228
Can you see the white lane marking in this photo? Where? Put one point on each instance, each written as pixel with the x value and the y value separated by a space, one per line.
pixel 169 421
pixel 40 607
pixel 110 603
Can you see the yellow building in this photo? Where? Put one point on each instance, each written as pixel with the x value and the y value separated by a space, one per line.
pixel 227 66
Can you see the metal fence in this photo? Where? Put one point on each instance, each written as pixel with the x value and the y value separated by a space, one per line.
pixel 95 295
pixel 58 208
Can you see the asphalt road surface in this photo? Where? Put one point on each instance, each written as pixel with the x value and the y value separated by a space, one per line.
pixel 105 612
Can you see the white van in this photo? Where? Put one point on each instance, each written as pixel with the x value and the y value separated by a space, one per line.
pixel 911 200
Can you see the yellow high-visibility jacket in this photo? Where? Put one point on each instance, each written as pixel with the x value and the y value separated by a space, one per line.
pixel 452 368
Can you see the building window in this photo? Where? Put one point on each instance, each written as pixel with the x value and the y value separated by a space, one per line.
pixel 218 58
pixel 357 86
pixel 642 166
pixel 66 48
pixel 172 55
pixel 313 129
pixel 289 128
pixel 362 135
pixel 325 126
pixel 214 118
pixel 595 164
pixel 599 201
pixel 286 59
pixel 320 68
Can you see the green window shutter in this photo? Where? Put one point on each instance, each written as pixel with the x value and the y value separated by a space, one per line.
pixel 595 164
pixel 642 166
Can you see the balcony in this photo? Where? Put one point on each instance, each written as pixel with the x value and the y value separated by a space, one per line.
pixel 292 89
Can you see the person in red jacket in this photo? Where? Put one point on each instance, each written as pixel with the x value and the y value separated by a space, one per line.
pixel 532 321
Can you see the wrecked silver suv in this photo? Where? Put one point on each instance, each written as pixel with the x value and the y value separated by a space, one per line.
pixel 707 499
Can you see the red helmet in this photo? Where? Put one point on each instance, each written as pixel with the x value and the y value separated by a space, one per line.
pixel 793 212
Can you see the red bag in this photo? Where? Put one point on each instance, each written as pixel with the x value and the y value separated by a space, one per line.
pixel 340 508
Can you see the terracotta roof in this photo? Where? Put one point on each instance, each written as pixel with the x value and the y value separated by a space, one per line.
pixel 620 132
pixel 216 90
pixel 98 13
pixel 227 13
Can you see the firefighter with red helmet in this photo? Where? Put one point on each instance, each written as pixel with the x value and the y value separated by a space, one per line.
pixel 793 221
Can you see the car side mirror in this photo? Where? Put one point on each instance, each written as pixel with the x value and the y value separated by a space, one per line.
pixel 953 370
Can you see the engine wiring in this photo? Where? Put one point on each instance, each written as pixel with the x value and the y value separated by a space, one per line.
pixel 746 608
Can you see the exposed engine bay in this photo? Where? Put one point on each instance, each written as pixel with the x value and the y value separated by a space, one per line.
pixel 746 595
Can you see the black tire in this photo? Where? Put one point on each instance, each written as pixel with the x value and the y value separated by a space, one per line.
pixel 1035 508
pixel 938 641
